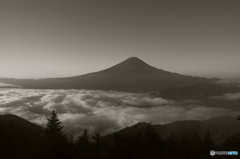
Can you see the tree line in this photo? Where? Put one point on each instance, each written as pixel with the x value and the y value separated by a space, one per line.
pixel 52 143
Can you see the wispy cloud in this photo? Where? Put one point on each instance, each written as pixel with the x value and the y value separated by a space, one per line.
pixel 101 111
pixel 229 82
pixel 8 85
pixel 228 97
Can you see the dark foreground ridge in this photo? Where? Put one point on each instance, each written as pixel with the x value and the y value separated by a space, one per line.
pixel 220 127
pixel 20 139
pixel 131 75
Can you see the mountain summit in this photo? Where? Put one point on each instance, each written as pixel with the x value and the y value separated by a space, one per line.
pixel 131 75
pixel 132 65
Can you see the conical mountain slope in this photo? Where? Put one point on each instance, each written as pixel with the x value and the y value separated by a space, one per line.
pixel 132 65
pixel 130 75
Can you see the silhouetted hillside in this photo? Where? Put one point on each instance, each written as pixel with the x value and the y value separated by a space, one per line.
pixel 18 137
pixel 219 127
pixel 13 123
pixel 181 139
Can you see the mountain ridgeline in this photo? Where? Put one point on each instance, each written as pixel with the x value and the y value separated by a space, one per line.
pixel 220 128
pixel 197 92
pixel 131 75
pixel 181 139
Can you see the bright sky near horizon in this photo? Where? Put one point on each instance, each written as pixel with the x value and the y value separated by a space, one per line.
pixel 60 38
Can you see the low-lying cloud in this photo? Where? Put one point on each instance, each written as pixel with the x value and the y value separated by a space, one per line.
pixel 229 82
pixel 99 111
pixel 8 85
pixel 228 97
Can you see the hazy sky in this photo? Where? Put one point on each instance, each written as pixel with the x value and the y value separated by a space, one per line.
pixel 56 38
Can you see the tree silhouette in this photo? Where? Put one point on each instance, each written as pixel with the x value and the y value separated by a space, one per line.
pixel 208 143
pixel 153 144
pixel 83 145
pixel 54 128
pixel 98 147
pixel 55 143
pixel 172 147
pixel 141 145
pixel 84 138
pixel 97 138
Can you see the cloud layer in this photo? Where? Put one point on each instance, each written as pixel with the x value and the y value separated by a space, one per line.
pixel 229 82
pixel 228 97
pixel 99 111
pixel 8 85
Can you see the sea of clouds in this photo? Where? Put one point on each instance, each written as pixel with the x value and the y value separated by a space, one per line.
pixel 100 111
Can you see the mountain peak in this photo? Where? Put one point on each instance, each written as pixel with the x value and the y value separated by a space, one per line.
pixel 134 58
pixel 135 61
pixel 132 65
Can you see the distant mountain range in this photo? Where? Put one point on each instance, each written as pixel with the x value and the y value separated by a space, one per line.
pixel 205 94
pixel 131 75
pixel 219 127
pixel 197 92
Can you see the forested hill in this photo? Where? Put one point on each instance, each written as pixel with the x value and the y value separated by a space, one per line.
pixel 181 139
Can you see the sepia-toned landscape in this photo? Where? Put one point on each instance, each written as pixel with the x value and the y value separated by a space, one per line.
pixel 119 79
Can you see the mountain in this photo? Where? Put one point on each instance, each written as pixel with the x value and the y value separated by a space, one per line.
pixel 197 92
pixel 211 95
pixel 219 127
pixel 12 123
pixel 130 75
pixel 18 137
